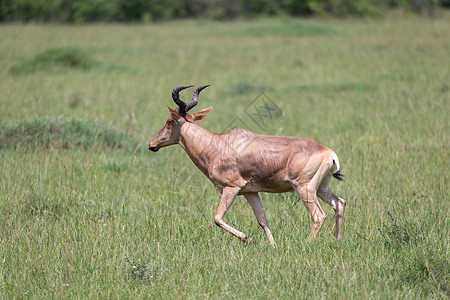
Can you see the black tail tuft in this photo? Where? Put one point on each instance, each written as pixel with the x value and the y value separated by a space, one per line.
pixel 338 176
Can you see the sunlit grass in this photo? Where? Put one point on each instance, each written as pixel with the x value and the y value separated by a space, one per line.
pixel 99 218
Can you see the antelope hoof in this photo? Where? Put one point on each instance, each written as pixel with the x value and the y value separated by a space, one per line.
pixel 245 238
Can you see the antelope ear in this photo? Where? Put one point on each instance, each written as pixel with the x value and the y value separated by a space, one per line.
pixel 175 115
pixel 201 114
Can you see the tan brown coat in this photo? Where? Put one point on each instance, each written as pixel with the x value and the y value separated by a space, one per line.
pixel 240 162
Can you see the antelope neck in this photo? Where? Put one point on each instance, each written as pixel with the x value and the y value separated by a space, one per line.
pixel 195 140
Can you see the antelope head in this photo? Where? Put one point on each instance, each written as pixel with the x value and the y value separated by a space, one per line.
pixel 171 132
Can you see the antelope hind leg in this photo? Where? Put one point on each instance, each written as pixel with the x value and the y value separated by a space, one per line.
pixel 337 203
pixel 311 203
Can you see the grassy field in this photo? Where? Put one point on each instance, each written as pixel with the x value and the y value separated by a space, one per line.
pixel 87 212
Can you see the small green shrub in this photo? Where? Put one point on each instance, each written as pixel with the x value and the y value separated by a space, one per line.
pixel 63 133
pixel 396 234
pixel 290 29
pixel 144 270
pixel 74 58
pixel 244 87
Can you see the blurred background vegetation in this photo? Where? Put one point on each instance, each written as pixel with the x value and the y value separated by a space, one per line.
pixel 80 11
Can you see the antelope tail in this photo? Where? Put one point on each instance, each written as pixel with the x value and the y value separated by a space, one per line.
pixel 337 174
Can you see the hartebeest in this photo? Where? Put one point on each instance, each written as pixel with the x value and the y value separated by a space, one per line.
pixel 240 162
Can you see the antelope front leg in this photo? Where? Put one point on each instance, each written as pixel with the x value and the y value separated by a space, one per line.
pixel 228 196
pixel 258 210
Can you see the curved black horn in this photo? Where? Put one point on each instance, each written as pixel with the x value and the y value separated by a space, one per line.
pixel 176 98
pixel 195 97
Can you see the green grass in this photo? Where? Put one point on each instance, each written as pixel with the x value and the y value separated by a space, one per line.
pixel 86 212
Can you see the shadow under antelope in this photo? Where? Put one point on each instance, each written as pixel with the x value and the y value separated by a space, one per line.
pixel 274 164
